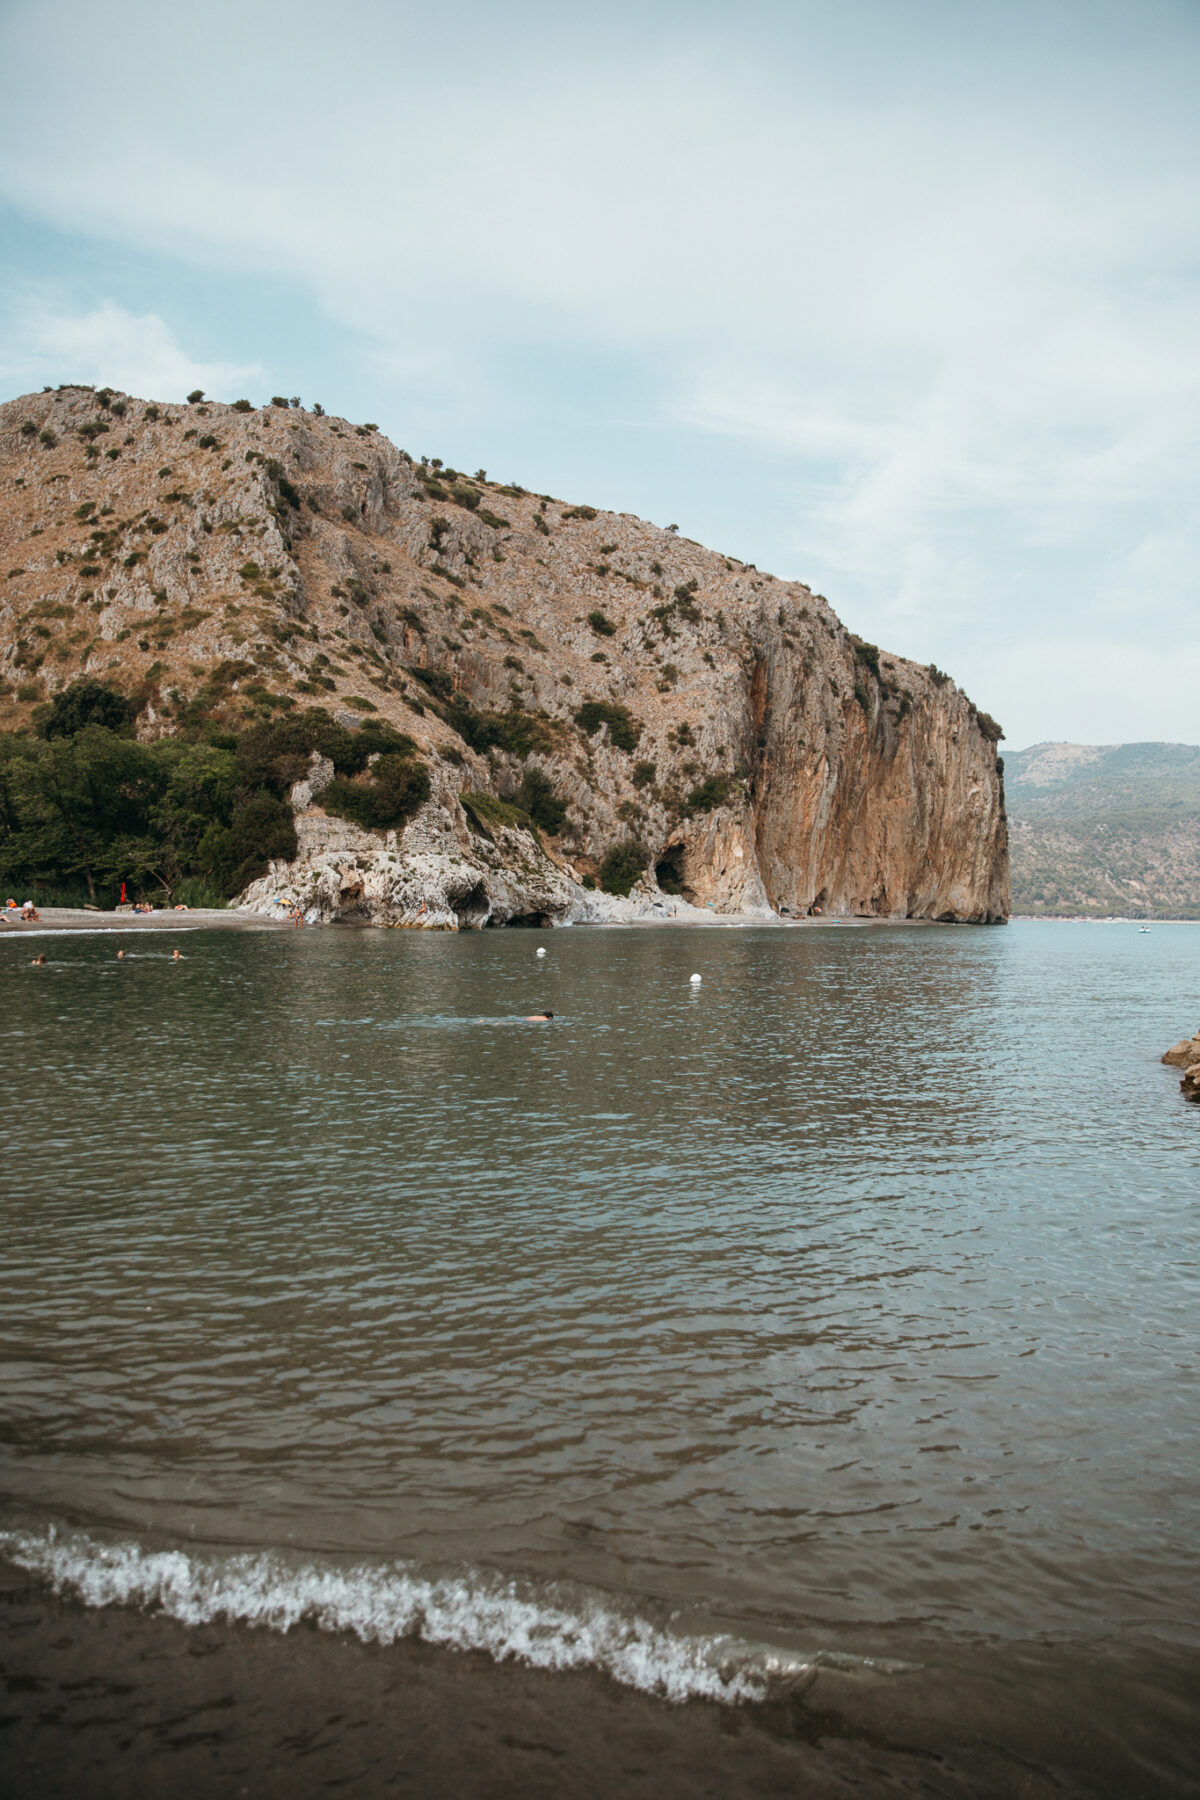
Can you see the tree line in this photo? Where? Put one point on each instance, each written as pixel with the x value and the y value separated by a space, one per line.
pixel 86 807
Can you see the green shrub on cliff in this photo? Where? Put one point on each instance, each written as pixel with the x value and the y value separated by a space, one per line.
pixel 537 797
pixel 622 866
pixel 623 729
pixel 516 731
pixel 867 655
pixel 484 810
pixel 85 703
pixel 398 784
pixel 714 791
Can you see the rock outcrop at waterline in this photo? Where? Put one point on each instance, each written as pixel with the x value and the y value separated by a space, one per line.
pixel 697 727
pixel 1185 1056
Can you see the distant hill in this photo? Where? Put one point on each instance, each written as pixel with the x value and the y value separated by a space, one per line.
pixel 1098 829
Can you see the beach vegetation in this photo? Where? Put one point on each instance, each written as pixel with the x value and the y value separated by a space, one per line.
pixel 85 806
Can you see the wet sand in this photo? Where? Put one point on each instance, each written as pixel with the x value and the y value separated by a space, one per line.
pixel 112 1704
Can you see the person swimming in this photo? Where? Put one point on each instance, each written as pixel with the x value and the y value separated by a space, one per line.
pixel 176 956
pixel 38 960
pixel 542 1018
pixel 120 956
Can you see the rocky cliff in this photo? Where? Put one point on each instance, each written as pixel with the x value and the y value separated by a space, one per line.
pixel 614 718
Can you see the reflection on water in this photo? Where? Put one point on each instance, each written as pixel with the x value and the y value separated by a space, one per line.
pixel 853 1294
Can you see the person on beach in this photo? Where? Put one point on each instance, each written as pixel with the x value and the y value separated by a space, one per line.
pixel 29 912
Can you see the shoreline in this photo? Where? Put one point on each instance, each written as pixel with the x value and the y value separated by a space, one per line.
pixel 82 922
pixel 82 919
pixel 98 1697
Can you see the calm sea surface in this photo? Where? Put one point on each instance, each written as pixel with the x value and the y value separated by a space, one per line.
pixel 839 1313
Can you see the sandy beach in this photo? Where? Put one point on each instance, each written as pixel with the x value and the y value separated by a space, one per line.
pixel 116 1704
pixel 83 918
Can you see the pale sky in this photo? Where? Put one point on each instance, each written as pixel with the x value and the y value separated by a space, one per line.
pixel 900 300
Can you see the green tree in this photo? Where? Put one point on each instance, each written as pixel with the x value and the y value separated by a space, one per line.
pixel 86 702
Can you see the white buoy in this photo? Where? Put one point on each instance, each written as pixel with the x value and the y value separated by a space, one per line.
pixel 695 981
pixel 541 952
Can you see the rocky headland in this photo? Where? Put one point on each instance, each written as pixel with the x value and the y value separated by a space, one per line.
pixel 614 721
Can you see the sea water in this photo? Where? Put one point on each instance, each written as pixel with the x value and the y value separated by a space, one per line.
pixel 838 1313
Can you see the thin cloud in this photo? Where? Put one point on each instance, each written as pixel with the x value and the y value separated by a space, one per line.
pixel 936 268
pixel 110 345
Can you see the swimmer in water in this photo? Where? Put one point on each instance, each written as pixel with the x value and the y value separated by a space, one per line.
pixel 120 956
pixel 176 956
pixel 537 1018
pixel 38 960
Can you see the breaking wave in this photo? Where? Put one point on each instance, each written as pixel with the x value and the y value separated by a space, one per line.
pixel 547 1628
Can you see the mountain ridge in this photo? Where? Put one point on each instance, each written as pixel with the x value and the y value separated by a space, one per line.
pixel 716 726
pixel 1103 829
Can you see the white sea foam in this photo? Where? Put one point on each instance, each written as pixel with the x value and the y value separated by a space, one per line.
pixel 384 1602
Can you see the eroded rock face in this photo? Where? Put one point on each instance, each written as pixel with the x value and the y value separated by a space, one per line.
pixel 1185 1056
pixel 227 563
pixel 439 874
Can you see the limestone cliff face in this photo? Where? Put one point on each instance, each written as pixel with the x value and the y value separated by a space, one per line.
pixel 719 725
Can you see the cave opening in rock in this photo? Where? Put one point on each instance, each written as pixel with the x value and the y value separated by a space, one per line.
pixel 472 909
pixel 668 872
pixel 531 921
